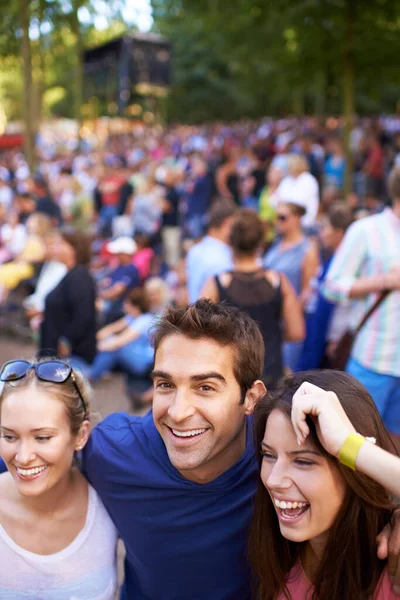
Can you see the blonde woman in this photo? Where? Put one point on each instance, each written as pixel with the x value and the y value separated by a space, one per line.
pixel 38 226
pixel 300 187
pixel 56 538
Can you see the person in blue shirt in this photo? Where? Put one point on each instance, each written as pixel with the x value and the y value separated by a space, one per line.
pixel 199 194
pixel 179 482
pixel 126 342
pixel 321 313
pixel 212 255
pixel 124 277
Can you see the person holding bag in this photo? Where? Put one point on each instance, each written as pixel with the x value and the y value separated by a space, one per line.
pixel 365 266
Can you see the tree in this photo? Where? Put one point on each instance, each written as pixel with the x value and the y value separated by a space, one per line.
pixel 312 56
pixel 24 19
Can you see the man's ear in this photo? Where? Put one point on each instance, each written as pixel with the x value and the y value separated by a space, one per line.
pixel 254 394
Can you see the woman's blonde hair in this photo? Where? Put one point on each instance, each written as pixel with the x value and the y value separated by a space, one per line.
pixel 65 392
pixel 39 224
pixel 298 164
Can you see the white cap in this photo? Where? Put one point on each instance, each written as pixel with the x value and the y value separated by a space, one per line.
pixel 122 245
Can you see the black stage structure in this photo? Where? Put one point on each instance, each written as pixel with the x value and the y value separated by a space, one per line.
pixel 133 68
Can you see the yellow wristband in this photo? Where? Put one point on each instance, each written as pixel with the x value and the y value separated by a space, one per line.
pixel 349 451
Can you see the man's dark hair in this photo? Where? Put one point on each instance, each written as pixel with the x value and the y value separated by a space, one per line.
pixel 340 217
pixel 219 213
pixel 225 325
pixel 394 183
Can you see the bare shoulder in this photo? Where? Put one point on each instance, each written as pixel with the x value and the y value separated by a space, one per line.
pixel 273 278
pixel 225 279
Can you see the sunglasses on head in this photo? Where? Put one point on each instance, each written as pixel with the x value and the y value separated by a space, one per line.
pixel 52 371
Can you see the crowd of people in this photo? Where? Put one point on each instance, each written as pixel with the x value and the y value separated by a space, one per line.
pixel 222 269
pixel 252 213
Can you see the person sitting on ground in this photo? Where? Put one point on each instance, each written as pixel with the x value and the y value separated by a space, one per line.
pixel 12 235
pixel 32 254
pixel 144 255
pixel 124 277
pixel 56 538
pixel 125 342
pixel 325 491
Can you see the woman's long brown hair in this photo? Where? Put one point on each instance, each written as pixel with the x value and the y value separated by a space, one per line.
pixel 349 569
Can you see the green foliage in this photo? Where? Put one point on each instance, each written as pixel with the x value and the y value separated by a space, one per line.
pixel 231 58
pixel 279 57
pixel 55 55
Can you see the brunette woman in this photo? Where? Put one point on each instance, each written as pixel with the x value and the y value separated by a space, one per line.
pixel 69 324
pixel 325 491
pixel 266 295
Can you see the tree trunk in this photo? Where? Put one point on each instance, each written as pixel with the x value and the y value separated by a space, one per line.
pixel 320 97
pixel 348 92
pixel 24 19
pixel 298 101
pixel 78 84
pixel 39 80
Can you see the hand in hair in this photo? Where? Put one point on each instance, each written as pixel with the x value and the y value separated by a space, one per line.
pixel 332 424
pixel 333 427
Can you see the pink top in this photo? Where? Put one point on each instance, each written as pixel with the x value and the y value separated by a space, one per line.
pixel 142 261
pixel 299 585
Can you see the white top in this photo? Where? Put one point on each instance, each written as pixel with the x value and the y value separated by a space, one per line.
pixel 301 190
pixel 13 238
pixel 84 570
pixel 50 276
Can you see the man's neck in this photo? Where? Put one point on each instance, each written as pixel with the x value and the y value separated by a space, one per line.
pixel 220 463
pixel 214 233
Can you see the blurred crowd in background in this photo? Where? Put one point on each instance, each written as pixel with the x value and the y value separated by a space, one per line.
pixel 98 241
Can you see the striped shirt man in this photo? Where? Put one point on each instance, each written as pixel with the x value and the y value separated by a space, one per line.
pixel 371 247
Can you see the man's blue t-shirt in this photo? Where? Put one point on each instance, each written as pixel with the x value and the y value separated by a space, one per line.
pixel 183 540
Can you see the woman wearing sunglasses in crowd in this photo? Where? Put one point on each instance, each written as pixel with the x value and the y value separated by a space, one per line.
pixel 325 491
pixel 296 256
pixel 57 541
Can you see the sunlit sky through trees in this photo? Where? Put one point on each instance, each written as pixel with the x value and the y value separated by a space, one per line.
pixel 135 13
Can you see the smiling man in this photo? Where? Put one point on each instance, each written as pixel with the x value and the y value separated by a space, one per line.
pixel 179 482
